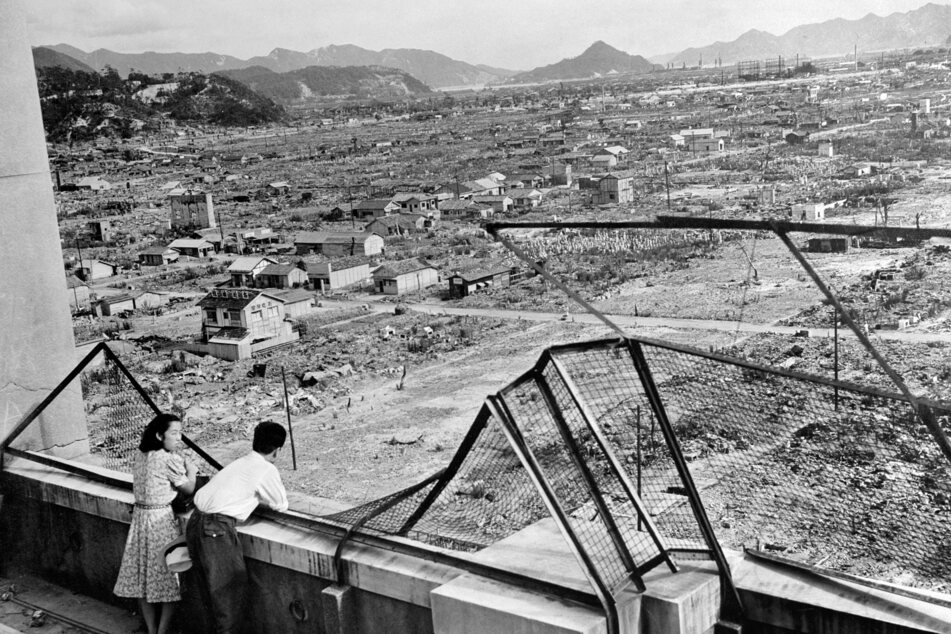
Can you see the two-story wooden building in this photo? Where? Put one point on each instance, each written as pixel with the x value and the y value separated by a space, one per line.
pixel 239 321
pixel 613 189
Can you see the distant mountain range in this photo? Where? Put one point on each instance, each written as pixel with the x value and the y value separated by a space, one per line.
pixel 598 60
pixel 305 84
pixel 927 26
pixel 433 69
pixel 44 57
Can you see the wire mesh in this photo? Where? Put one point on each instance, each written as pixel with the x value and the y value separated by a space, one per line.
pixel 538 427
pixel 116 414
pixel 607 381
pixel 844 478
pixel 622 509
pixel 489 498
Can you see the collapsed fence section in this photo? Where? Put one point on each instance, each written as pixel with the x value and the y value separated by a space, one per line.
pixel 482 497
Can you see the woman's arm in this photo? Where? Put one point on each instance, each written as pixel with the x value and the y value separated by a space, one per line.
pixel 181 473
pixel 191 471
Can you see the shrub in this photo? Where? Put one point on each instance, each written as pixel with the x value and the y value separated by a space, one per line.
pixel 894 299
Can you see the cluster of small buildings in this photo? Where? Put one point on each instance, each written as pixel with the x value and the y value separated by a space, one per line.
pixel 479 199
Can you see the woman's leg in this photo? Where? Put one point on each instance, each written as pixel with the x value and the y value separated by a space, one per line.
pixel 168 611
pixel 148 614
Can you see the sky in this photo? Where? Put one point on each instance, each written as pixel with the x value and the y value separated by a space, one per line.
pixel 513 34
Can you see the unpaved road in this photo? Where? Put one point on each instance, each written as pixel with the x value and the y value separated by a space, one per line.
pixel 632 325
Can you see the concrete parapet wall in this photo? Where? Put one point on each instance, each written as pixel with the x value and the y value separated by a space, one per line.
pixel 780 600
pixel 73 532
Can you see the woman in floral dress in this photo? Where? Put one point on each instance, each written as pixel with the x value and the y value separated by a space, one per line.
pixel 158 473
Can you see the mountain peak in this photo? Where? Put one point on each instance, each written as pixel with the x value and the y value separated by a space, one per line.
pixel 598 60
pixel 601 47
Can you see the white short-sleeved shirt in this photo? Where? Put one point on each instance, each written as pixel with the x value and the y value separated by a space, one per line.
pixel 237 489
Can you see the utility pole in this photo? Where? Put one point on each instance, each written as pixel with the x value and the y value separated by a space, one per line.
pixel 353 221
pixel 667 179
pixel 221 229
pixel 81 258
pixel 290 427
pixel 835 328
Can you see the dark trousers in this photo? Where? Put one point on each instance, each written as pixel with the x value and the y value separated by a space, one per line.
pixel 218 568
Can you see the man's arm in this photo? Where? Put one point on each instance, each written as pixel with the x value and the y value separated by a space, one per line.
pixel 271 491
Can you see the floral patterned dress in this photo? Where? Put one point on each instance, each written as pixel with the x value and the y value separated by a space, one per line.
pixel 143 574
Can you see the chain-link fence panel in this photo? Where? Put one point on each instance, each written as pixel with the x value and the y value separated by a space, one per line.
pixel 834 476
pixel 116 414
pixel 606 379
pixel 535 418
pixel 607 474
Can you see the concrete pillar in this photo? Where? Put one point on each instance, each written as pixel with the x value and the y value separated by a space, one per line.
pixel 685 602
pixel 337 606
pixel 36 337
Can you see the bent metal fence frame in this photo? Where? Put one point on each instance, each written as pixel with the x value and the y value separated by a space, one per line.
pixel 641 453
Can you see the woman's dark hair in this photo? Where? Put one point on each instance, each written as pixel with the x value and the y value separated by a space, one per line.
pixel 156 427
pixel 268 436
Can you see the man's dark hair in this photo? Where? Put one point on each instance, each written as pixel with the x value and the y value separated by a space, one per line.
pixel 268 436
pixel 157 426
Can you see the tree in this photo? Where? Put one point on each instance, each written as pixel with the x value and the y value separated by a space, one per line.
pixel 136 76
pixel 110 81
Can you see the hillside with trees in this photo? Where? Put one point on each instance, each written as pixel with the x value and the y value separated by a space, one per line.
pixel 79 105
pixel 356 82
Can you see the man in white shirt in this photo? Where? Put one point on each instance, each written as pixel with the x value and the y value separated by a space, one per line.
pixel 229 497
